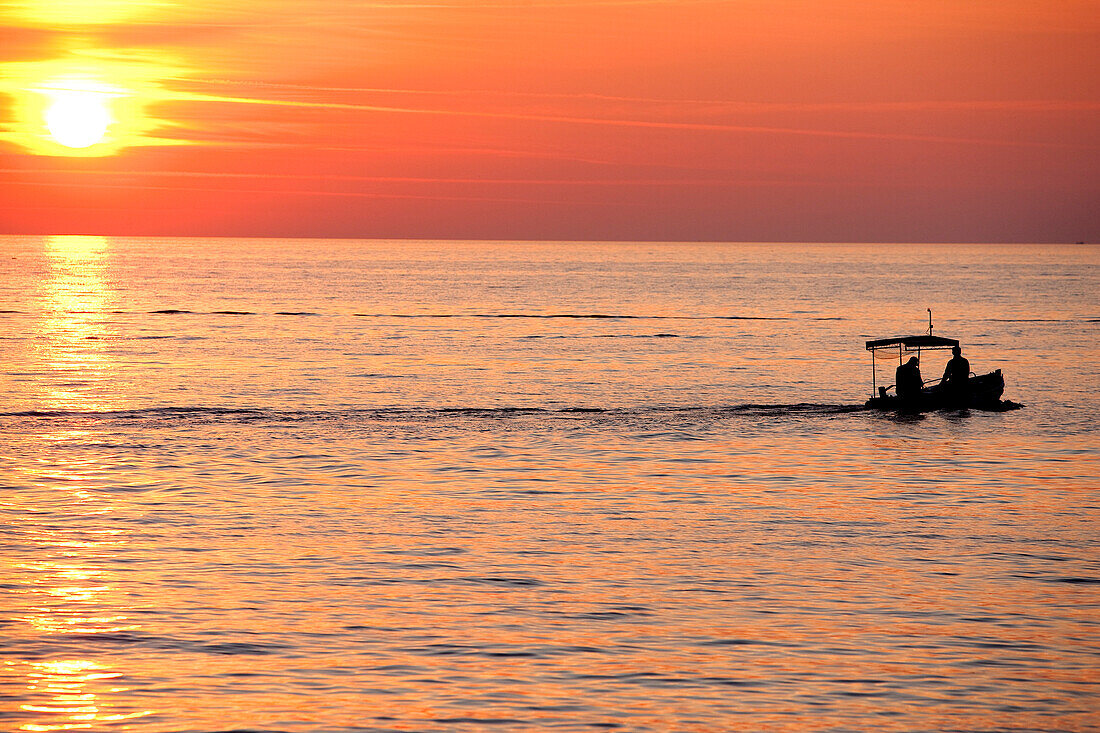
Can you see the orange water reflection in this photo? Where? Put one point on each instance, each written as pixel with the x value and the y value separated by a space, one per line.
pixel 328 571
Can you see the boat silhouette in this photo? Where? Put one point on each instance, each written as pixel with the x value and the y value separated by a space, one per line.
pixel 981 391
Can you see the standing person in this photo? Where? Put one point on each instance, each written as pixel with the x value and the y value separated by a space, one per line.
pixel 908 380
pixel 956 377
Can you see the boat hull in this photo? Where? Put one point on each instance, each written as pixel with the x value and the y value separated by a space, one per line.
pixel 983 392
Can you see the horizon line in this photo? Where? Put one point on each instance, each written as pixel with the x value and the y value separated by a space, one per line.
pixel 552 240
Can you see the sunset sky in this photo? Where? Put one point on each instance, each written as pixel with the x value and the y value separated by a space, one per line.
pixel 745 120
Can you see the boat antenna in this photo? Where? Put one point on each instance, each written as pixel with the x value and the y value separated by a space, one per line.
pixel 929 321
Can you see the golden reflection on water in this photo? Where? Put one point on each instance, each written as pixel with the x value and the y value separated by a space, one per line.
pixel 76 295
pixel 72 692
pixel 70 595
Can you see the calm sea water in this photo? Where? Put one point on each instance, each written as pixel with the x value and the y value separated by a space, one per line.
pixel 436 486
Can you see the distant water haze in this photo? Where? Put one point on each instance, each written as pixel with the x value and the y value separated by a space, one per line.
pixel 311 485
pixel 133 323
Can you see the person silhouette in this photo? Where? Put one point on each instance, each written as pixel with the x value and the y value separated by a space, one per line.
pixel 908 381
pixel 956 376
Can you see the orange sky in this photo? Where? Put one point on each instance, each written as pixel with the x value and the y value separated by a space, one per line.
pixel 802 120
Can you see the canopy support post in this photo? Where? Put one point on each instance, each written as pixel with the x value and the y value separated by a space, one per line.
pixel 874 379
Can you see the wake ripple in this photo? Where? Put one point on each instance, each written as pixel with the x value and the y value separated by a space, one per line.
pixel 545 316
pixel 605 316
pixel 595 316
pixel 383 414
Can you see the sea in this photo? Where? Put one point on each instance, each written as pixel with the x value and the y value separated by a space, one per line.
pixel 360 485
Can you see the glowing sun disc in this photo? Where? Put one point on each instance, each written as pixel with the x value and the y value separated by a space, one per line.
pixel 78 119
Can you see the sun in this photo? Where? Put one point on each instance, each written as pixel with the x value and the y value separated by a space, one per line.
pixel 84 106
pixel 78 114
pixel 78 118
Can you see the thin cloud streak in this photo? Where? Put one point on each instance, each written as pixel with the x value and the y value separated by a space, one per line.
pixel 929 105
pixel 646 124
pixel 430 180
pixel 335 194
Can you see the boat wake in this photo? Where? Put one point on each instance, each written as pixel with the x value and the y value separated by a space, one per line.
pixel 229 414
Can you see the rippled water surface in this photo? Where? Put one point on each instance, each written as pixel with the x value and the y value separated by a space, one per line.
pixel 420 486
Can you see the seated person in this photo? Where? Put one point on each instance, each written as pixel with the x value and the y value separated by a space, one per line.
pixel 908 380
pixel 957 372
pixel 956 377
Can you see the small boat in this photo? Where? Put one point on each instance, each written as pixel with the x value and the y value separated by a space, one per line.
pixel 983 390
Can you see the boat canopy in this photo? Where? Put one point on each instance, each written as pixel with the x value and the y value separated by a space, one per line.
pixel 913 342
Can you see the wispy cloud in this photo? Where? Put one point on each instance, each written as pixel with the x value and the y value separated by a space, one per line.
pixel 631 123
pixel 735 106
pixel 465 181
pixel 327 194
